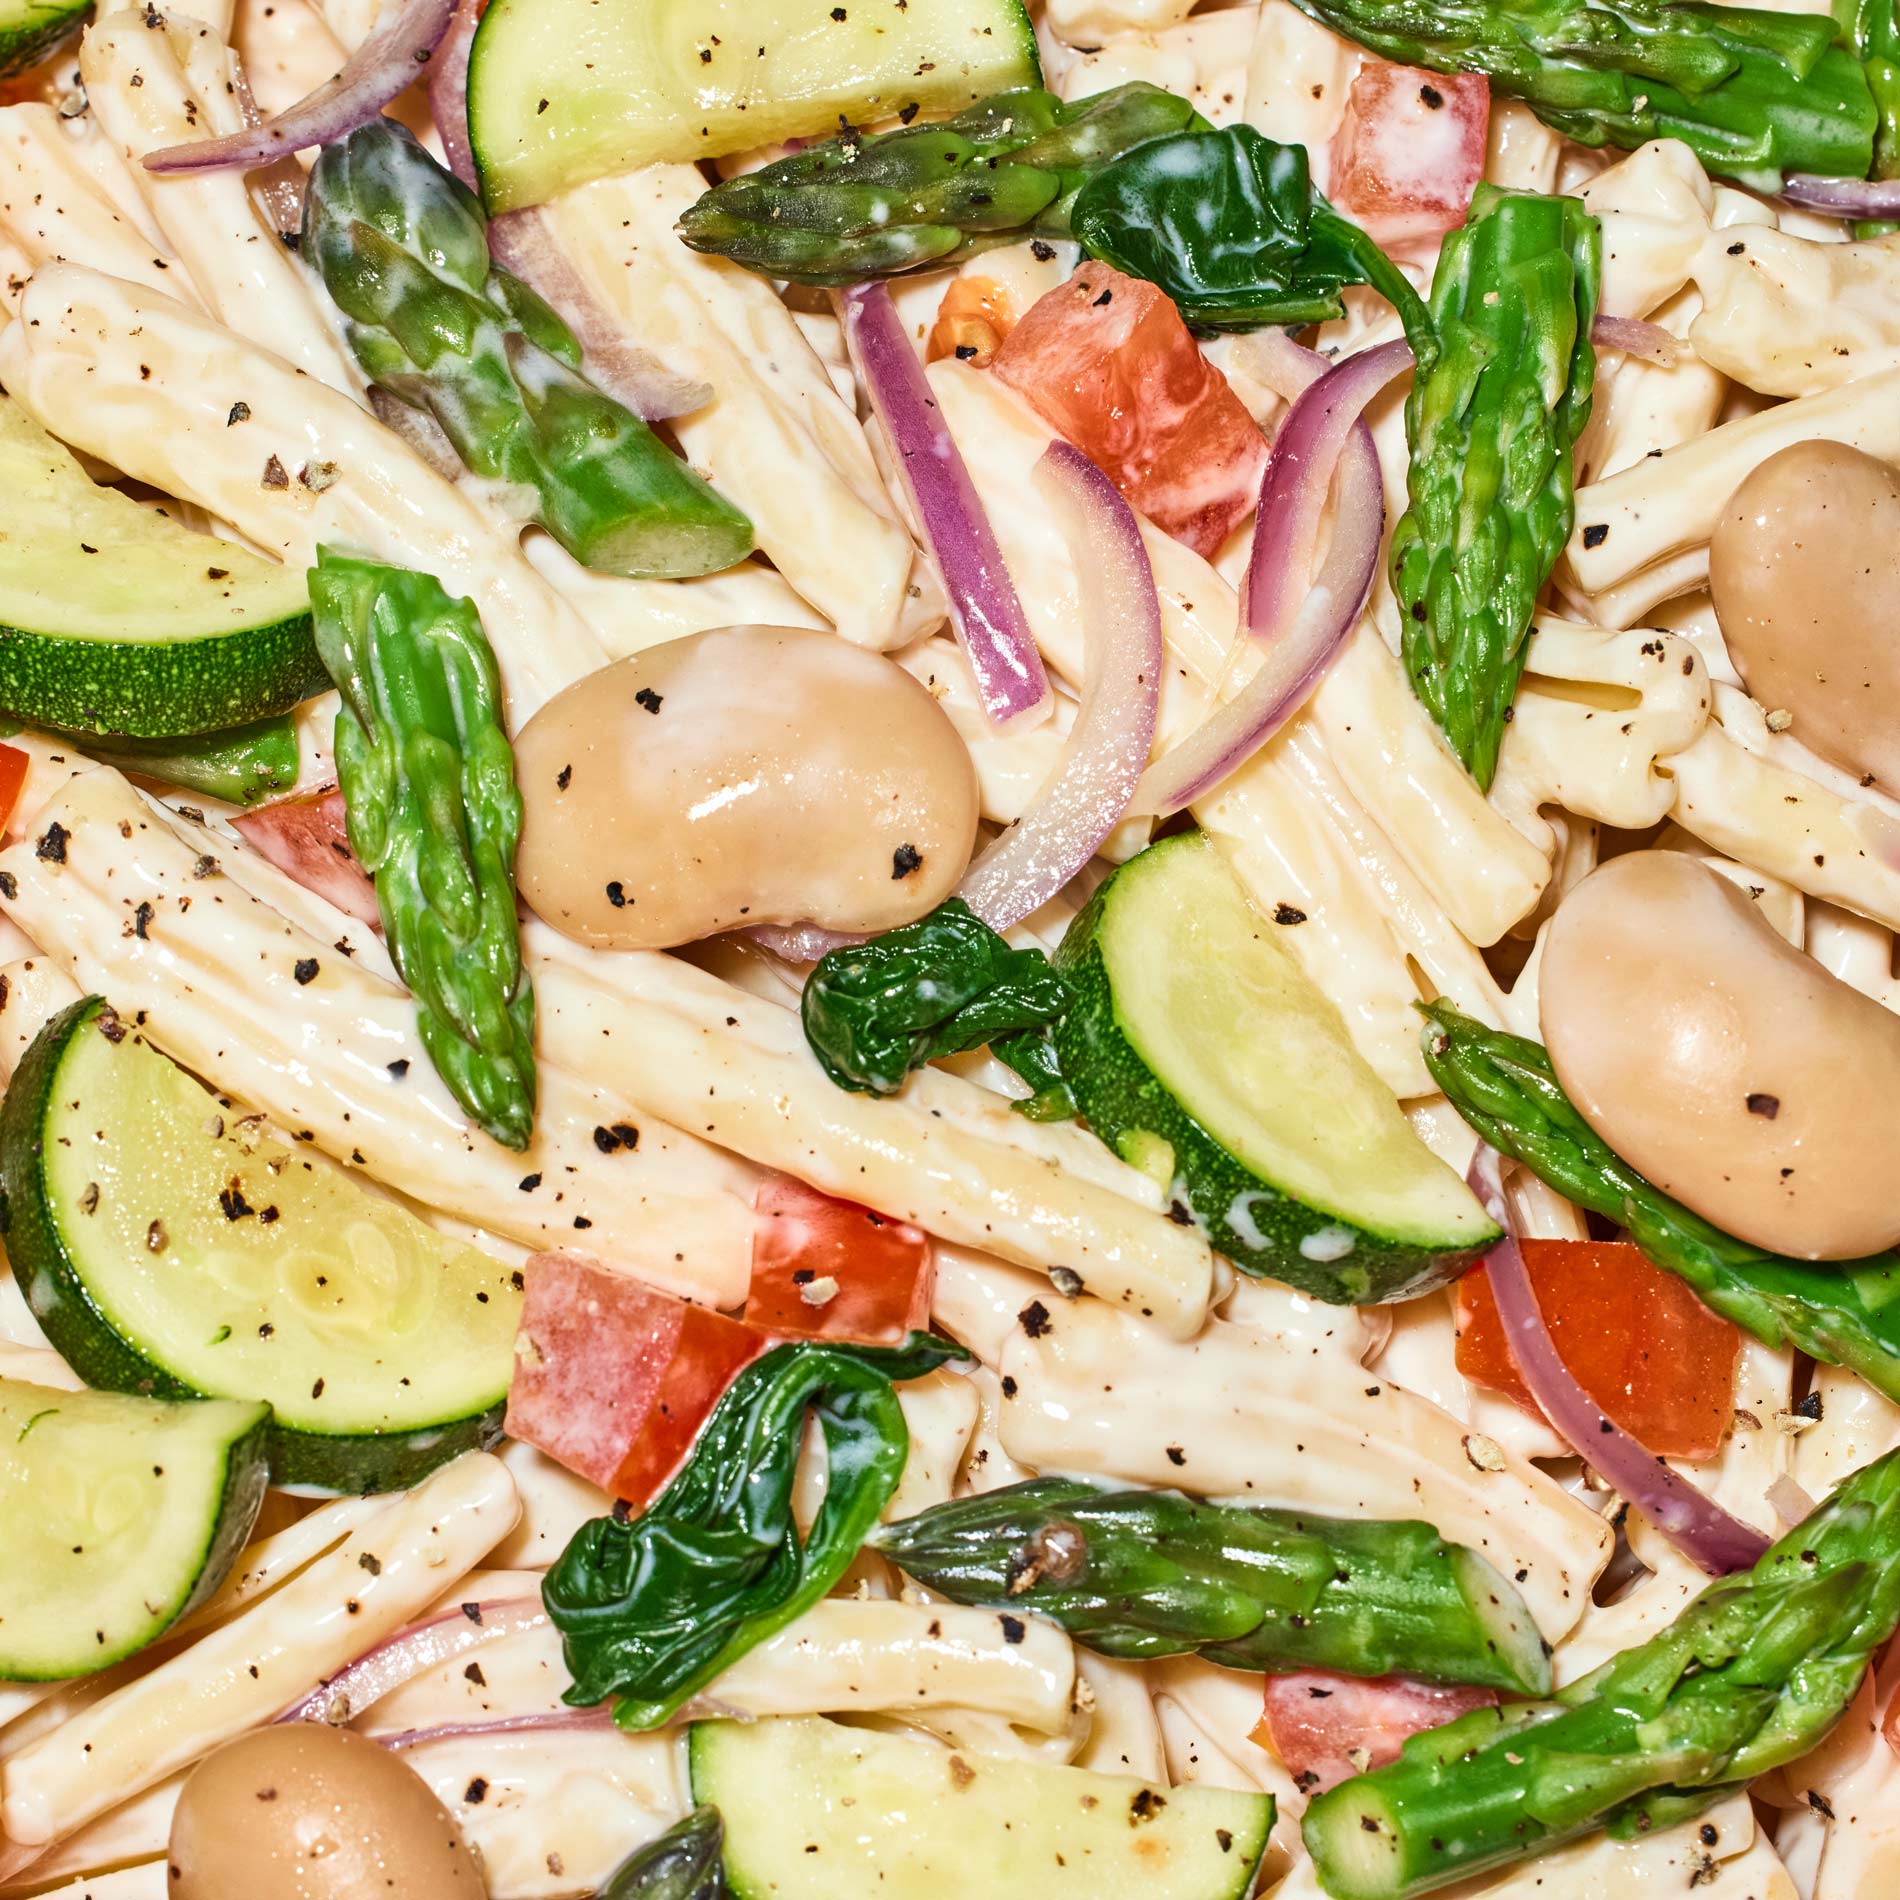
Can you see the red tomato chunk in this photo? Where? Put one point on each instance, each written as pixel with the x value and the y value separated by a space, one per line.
pixel 825 1269
pixel 14 767
pixel 1642 1345
pixel 1108 363
pixel 613 1379
pixel 1327 1728
pixel 305 838
pixel 1409 153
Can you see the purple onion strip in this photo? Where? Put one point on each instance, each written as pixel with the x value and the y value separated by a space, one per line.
pixel 573 1721
pixel 523 244
pixel 412 1652
pixel 448 91
pixel 1303 623
pixel 383 67
pixel 1649 341
pixel 984 608
pixel 1874 198
pixel 1115 723
pixel 1696 1525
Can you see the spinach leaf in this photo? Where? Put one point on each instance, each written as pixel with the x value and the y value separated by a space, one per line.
pixel 875 1011
pixel 1229 225
pixel 652 1608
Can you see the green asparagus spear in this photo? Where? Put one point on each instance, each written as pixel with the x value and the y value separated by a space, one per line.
pixel 1844 1312
pixel 402 248
pixel 858 207
pixel 1754 94
pixel 1752 1674
pixel 1491 425
pixel 1143 1574
pixel 430 802
pixel 1868 29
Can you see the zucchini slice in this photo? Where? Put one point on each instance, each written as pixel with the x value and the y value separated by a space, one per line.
pixel 171 1247
pixel 118 1515
pixel 30 29
pixel 817 1811
pixel 1201 1051
pixel 113 618
pixel 562 91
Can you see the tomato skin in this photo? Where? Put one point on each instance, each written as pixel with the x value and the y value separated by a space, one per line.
pixel 306 839
pixel 14 768
pixel 1108 363
pixel 1314 1719
pixel 614 1379
pixel 884 1270
pixel 1658 1362
pixel 1403 167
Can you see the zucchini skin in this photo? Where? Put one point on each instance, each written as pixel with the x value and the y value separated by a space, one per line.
pixel 82 1334
pixel 169 691
pixel 1123 1100
pixel 29 33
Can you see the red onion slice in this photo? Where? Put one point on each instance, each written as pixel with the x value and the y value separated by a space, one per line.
pixel 984 608
pixel 1876 198
pixel 1634 337
pixel 1304 623
pixel 1697 1526
pixel 802 943
pixel 448 91
pixel 1115 723
pixel 523 243
pixel 279 188
pixel 412 1652
pixel 383 67
pixel 570 1720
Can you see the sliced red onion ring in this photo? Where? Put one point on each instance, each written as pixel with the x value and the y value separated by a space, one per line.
pixel 448 91
pixel 523 243
pixel 571 1720
pixel 412 1652
pixel 984 608
pixel 1844 197
pixel 384 66
pixel 1304 624
pixel 1634 337
pixel 1706 1534
pixel 279 188
pixel 1115 723
pixel 801 943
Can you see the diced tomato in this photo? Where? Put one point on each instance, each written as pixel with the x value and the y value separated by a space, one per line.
pixel 1106 360
pixel 305 837
pixel 1409 152
pixel 14 767
pixel 825 1269
pixel 1642 1345
pixel 613 1379
pixel 1327 1728
pixel 976 314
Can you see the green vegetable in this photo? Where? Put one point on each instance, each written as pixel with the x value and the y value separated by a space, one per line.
pixel 1204 1055
pixel 652 1608
pixel 402 248
pixel 1751 1675
pixel 858 207
pixel 1229 225
pixel 562 91
pixel 1491 426
pixel 1846 1313
pixel 818 1811
pixel 433 815
pixel 1144 1574
pixel 240 766
pixel 875 1011
pixel 115 618
pixel 1753 94
pixel 30 29
pixel 1868 29
pixel 119 1515
pixel 174 1250
pixel 683 1864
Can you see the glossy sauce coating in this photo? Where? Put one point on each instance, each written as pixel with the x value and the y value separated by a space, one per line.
pixel 1804 569
pixel 1732 1071
pixel 747 775
pixel 307 1812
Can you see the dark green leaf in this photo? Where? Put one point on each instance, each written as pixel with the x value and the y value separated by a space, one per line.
pixel 875 1011
pixel 1229 225
pixel 683 1864
pixel 652 1608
